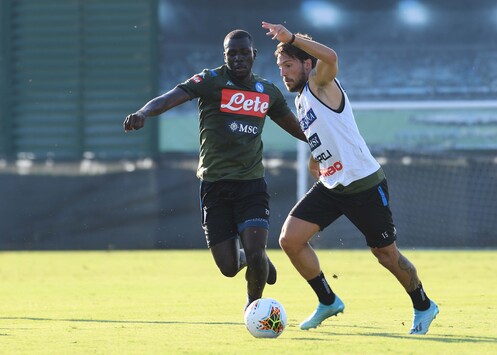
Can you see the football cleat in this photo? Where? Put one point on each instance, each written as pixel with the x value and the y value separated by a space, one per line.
pixel 271 276
pixel 323 312
pixel 422 319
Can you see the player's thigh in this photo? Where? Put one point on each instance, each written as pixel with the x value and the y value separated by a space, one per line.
pixel 226 254
pixel 370 213
pixel 217 215
pixel 296 231
pixel 251 205
pixel 319 207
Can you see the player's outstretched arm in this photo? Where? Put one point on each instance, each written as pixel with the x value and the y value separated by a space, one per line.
pixel 327 65
pixel 155 107
pixel 290 124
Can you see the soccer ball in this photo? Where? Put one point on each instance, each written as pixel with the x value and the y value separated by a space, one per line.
pixel 265 318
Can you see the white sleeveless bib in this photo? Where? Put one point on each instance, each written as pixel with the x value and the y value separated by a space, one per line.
pixel 334 140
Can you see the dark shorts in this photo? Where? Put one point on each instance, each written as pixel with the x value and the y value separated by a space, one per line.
pixel 368 210
pixel 228 207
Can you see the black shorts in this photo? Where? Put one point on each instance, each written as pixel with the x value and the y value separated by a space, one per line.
pixel 228 207
pixel 368 210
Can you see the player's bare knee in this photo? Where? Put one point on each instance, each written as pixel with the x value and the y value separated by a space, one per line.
pixel 289 244
pixel 284 242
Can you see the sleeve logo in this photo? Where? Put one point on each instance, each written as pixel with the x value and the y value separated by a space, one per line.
pixel 197 78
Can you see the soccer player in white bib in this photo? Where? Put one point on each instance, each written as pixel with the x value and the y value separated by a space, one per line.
pixel 350 181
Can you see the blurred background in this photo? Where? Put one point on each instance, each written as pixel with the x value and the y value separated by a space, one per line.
pixel 421 75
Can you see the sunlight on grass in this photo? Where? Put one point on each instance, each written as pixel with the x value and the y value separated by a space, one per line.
pixel 177 302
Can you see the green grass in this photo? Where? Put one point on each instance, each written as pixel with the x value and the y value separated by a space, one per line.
pixel 176 302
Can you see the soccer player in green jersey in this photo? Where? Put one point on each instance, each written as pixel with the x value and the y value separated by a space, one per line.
pixel 233 103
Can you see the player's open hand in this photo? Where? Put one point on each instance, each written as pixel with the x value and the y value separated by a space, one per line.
pixel 134 121
pixel 278 32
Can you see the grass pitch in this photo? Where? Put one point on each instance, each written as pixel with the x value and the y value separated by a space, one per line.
pixel 176 302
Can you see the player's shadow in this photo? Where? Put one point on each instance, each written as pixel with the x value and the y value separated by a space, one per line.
pixel 116 321
pixel 446 338
pixel 442 338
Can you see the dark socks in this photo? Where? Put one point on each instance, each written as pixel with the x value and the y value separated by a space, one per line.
pixel 420 300
pixel 322 289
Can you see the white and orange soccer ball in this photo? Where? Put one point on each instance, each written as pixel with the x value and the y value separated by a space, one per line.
pixel 265 318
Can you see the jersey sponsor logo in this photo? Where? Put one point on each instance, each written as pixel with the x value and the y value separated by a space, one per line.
pixel 308 119
pixel 314 141
pixel 244 103
pixel 243 128
pixel 323 156
pixel 337 166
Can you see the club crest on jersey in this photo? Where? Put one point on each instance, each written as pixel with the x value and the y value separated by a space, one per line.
pixel 243 128
pixel 244 103
pixel 308 119
pixel 259 87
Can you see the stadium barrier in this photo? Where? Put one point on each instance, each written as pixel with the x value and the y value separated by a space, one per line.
pixel 438 201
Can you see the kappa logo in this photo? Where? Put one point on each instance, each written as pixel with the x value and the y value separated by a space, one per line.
pixel 229 83
pixel 244 103
pixel 243 128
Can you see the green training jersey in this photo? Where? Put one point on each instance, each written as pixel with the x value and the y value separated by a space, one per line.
pixel 231 120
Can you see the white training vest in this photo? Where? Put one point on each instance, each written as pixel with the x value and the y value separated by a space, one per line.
pixel 334 140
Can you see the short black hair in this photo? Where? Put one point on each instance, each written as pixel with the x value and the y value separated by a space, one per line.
pixel 295 52
pixel 237 34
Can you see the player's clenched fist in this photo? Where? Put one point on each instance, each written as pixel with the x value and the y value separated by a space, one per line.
pixel 134 121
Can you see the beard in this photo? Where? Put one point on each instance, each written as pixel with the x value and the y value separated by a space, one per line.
pixel 298 83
